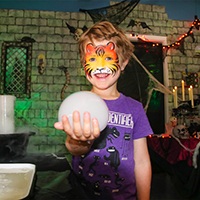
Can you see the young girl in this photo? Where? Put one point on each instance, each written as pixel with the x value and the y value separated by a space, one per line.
pixel 113 164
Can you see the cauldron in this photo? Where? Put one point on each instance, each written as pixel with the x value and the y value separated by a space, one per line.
pixel 14 145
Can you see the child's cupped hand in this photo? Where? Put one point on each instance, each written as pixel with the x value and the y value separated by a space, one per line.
pixel 77 132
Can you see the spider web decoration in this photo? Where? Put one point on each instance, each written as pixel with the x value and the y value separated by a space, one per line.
pixel 154 84
pixel 114 14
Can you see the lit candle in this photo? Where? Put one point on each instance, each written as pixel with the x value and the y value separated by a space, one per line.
pixel 192 98
pixel 176 89
pixel 175 97
pixel 189 92
pixel 183 90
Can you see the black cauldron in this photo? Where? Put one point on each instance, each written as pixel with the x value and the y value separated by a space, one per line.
pixel 14 145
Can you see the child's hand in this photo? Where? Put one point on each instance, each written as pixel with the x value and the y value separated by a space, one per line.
pixel 77 132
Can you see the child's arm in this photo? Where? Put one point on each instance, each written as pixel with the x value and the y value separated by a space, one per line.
pixel 79 140
pixel 142 169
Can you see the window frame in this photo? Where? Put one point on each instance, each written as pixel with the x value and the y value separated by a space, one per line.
pixel 5 46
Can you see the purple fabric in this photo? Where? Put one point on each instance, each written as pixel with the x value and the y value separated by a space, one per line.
pixel 107 171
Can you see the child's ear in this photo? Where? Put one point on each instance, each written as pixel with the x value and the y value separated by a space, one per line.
pixel 123 65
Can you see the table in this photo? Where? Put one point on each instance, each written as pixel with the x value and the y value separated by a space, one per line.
pixel 174 150
pixel 176 159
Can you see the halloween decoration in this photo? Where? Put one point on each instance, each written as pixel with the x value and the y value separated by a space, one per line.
pixel 77 32
pixel 67 81
pixel 194 129
pixel 181 132
pixel 14 145
pixel 196 22
pixel 153 84
pixel 179 44
pixel 27 39
pixel 137 22
pixel 114 14
pixel 41 64
pixel 71 28
pixel 190 79
pixel 170 125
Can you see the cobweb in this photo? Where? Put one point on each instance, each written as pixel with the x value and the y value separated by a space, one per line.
pixel 153 84
pixel 114 14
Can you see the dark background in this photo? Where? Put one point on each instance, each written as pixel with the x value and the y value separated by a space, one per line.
pixel 134 82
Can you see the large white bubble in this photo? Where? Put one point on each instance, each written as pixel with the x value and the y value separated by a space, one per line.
pixel 85 101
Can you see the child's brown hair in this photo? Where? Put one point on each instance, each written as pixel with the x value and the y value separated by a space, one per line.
pixel 106 31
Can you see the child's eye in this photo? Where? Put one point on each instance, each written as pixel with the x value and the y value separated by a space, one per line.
pixel 108 58
pixel 92 59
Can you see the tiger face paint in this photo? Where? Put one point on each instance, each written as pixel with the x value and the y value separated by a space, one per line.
pixel 101 59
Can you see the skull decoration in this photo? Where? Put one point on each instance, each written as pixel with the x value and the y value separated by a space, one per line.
pixel 41 64
pixel 76 31
pixel 180 131
pixel 137 22
pixel 78 34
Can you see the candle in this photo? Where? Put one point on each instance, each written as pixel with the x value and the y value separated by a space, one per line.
pixel 183 90
pixel 175 97
pixel 192 98
pixel 189 92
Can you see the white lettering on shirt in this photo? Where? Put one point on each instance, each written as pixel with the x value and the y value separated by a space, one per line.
pixel 120 119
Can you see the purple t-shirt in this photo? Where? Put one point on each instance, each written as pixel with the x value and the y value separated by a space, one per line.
pixel 107 170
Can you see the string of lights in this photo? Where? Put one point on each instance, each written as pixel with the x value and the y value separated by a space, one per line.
pixel 195 24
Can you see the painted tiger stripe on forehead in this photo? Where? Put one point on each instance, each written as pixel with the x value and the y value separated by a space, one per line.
pixel 100 51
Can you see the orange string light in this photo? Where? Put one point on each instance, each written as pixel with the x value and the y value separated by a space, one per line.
pixel 178 42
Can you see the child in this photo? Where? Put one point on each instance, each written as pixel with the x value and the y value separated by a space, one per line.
pixel 113 164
